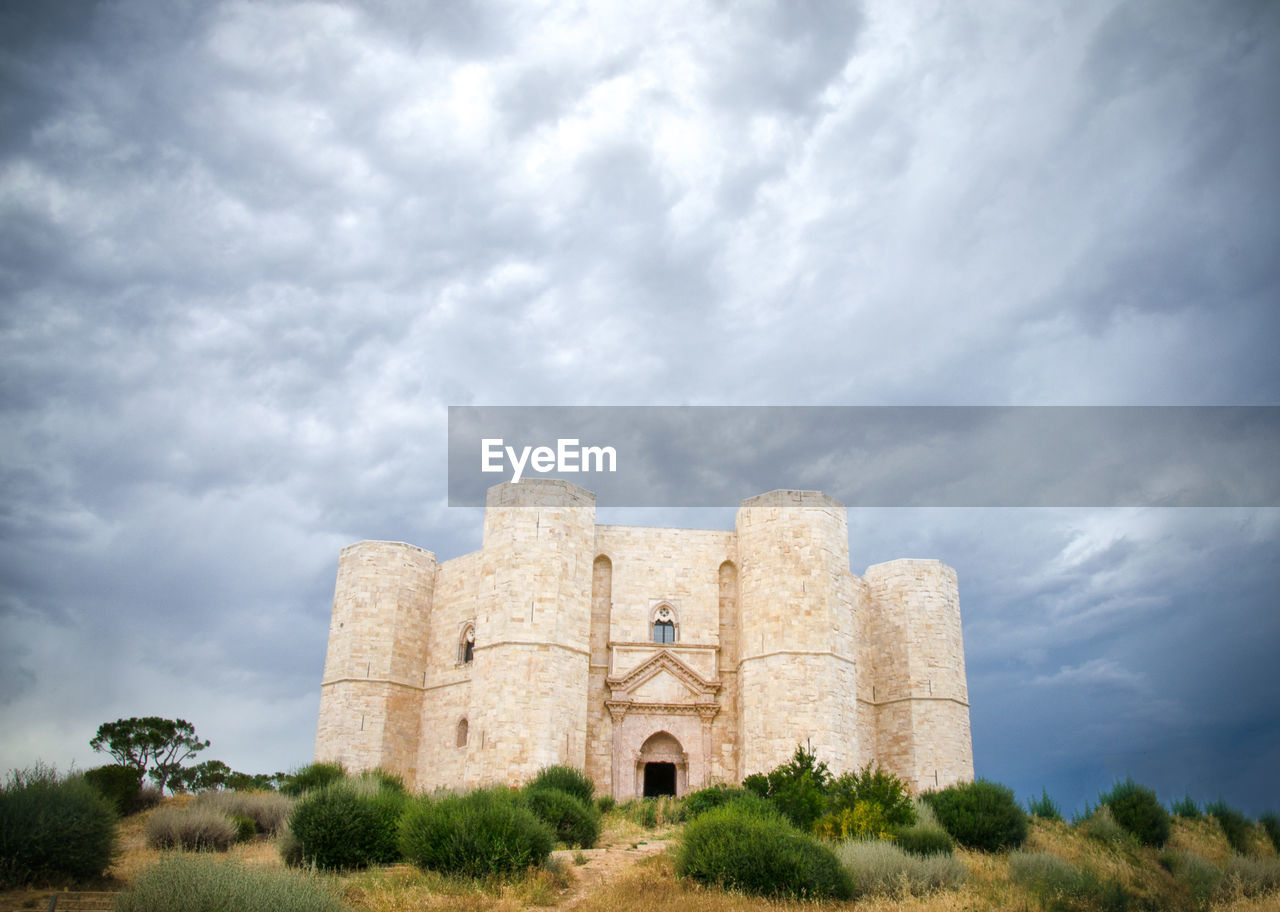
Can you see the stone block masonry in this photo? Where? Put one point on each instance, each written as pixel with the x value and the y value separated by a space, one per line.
pixel 657 660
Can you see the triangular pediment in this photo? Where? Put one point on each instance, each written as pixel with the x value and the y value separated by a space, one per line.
pixel 663 678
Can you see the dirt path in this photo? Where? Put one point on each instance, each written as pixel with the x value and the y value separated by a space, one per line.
pixel 604 864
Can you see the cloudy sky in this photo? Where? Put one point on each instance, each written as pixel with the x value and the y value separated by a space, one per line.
pixel 250 253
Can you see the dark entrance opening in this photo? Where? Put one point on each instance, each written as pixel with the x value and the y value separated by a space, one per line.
pixel 659 779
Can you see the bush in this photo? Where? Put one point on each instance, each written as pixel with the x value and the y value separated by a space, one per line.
pixel 290 849
pixel 386 779
pixel 566 779
pixel 575 822
pixel 1186 807
pixel 738 850
pixel 797 788
pixel 606 803
pixel 246 829
pixel 194 883
pixel 703 800
pixel 121 785
pixel 865 820
pixel 348 824
pixel 195 828
pixel 980 815
pixel 1270 823
pixel 653 812
pixel 1235 825
pixel 268 810
pixel 1044 807
pixel 1200 876
pixel 1137 809
pixel 926 836
pixel 1058 884
pixel 309 778
pixel 485 832
pixel 879 867
pixel 873 785
pixel 1101 825
pixel 53 828
pixel 1250 876
pixel 148 798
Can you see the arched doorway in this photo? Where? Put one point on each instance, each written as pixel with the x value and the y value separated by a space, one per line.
pixel 662 768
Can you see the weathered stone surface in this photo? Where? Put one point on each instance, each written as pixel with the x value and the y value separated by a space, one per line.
pixel 776 643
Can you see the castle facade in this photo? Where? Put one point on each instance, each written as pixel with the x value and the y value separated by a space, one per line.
pixel 657 660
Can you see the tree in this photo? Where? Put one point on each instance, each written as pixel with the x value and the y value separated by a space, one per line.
pixel 205 776
pixel 151 745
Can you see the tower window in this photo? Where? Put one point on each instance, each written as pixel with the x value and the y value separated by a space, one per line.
pixel 664 623
pixel 467 645
pixel 462 734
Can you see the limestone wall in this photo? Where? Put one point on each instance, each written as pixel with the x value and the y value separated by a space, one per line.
pixel 533 622
pixel 446 700
pixel 919 684
pixel 797 668
pixel 377 656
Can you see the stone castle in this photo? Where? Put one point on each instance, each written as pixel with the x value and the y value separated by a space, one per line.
pixel 657 660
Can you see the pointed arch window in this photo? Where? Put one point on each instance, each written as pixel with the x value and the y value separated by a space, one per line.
pixel 665 624
pixel 467 644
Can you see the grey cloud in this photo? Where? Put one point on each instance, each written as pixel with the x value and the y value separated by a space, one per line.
pixel 250 253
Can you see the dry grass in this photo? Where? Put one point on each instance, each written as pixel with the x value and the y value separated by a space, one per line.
pixel 617 876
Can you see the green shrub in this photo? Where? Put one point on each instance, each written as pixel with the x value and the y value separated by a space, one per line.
pixel 290 848
pixel 195 883
pixel 653 812
pixel 1200 876
pixel 195 828
pixel 1101 825
pixel 797 788
pixel 883 868
pixel 737 850
pixel 926 836
pixel 1250 876
pixel 1060 885
pixel 311 777
pixel 980 815
pixel 348 824
pixel 606 803
pixel 121 785
pixel 1235 825
pixel 1186 807
pixel 703 800
pixel 268 810
pixel 1270 823
pixel 574 821
pixel 875 785
pixel 1137 809
pixel 246 829
pixel 865 820
pixel 53 828
pixel 488 831
pixel 386 779
pixel 1044 807
pixel 566 779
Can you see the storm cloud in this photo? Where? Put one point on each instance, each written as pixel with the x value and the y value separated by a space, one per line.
pixel 250 253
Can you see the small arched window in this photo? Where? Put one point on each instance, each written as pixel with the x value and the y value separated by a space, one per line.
pixel 461 740
pixel 467 645
pixel 664 625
